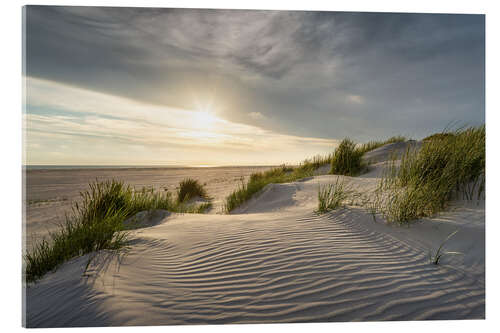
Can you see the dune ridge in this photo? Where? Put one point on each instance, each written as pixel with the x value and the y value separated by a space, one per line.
pixel 274 260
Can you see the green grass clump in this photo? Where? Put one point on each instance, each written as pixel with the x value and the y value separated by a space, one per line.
pixel 190 188
pixel 437 257
pixel 258 180
pixel 316 162
pixel 281 174
pixel 371 145
pixel 202 208
pixel 438 136
pixel 75 238
pixel 346 159
pixel 96 223
pixel 427 179
pixel 331 196
pixel 244 192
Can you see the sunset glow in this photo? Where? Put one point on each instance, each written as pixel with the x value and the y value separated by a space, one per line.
pixel 221 87
pixel 74 126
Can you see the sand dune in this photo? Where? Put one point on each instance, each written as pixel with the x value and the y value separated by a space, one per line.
pixel 274 260
pixel 391 150
pixel 50 193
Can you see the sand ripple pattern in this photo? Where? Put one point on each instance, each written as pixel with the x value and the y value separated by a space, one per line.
pixel 308 269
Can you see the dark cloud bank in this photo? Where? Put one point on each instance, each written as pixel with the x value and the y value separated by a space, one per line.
pixel 321 74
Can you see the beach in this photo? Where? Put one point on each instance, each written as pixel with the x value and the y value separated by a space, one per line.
pixel 271 260
pixel 51 192
pixel 218 166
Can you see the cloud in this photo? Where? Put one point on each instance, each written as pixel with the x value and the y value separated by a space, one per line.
pixel 60 116
pixel 356 99
pixel 256 115
pixel 294 67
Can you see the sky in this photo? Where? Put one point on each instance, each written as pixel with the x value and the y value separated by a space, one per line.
pixel 149 86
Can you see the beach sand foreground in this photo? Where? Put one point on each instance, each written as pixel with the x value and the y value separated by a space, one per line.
pixel 275 260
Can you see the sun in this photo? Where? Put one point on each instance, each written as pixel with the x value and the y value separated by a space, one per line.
pixel 204 115
pixel 206 118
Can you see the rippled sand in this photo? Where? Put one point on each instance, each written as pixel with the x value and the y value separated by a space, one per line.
pixel 275 261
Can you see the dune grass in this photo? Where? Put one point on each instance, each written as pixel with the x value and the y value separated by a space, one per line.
pixel 96 223
pixel 445 167
pixel 371 145
pixel 438 136
pixel 277 175
pixel 439 252
pixel 259 180
pixel 331 196
pixel 75 238
pixel 190 188
pixel 315 163
pixel 347 159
